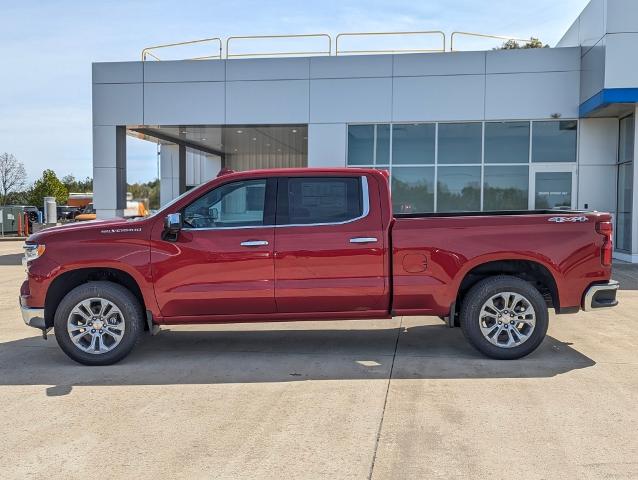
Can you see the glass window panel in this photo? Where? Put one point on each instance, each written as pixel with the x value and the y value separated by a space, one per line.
pixel 323 200
pixel 413 143
pixel 236 204
pixel 507 142
pixel 413 189
pixel 626 143
pixel 505 188
pixel 625 199
pixel 460 143
pixel 383 144
pixel 360 144
pixel 554 141
pixel 458 189
pixel 553 189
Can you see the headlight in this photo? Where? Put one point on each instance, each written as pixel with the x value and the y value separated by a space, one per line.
pixel 32 251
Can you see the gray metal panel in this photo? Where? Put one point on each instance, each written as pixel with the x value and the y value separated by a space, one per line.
pixel 327 144
pixel 117 104
pixel 351 66
pixel 570 39
pixel 270 102
pixel 592 75
pixel 185 71
pixel 532 95
pixel 184 103
pixel 104 146
pixel 592 23
pixel 351 100
pixel 451 63
pixel 117 72
pixel 533 60
pixel 621 65
pixel 267 69
pixel 457 97
pixel 622 16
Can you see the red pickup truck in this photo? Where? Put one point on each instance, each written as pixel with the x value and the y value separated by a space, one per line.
pixel 308 244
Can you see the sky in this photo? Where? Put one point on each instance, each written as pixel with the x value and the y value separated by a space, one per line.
pixel 47 47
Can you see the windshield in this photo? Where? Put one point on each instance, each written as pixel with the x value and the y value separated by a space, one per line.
pixel 173 202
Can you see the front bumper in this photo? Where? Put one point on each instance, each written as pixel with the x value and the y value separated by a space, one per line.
pixel 34 317
pixel 601 295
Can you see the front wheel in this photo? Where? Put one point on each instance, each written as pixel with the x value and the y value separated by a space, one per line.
pixel 504 317
pixel 98 323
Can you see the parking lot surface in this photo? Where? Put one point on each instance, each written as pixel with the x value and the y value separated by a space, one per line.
pixel 404 398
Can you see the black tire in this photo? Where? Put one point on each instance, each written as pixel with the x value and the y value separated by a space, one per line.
pixel 481 293
pixel 123 299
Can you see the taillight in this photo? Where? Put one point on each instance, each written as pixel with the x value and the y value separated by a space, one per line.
pixel 606 229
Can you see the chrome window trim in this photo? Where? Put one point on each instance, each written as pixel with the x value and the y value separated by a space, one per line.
pixel 366 211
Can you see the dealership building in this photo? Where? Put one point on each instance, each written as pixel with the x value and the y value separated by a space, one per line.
pixel 457 130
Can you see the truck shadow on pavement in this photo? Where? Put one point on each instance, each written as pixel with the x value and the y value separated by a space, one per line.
pixel 11 259
pixel 254 356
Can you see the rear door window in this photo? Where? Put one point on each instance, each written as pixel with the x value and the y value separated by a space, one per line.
pixel 319 200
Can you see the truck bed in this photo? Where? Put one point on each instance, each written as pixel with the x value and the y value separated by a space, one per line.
pixel 556 211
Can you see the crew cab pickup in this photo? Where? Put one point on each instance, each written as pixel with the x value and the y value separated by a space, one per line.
pixel 313 244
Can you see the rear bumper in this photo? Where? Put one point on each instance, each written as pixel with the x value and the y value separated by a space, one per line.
pixel 600 295
pixel 34 317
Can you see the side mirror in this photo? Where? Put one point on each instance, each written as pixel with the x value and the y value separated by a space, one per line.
pixel 172 226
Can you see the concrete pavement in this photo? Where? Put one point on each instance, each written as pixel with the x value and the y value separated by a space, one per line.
pixel 406 398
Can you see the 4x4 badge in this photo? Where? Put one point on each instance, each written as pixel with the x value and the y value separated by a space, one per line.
pixel 568 219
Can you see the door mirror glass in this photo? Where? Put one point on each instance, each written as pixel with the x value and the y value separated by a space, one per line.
pixel 173 223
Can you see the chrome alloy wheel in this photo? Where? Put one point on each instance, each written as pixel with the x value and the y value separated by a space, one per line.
pixel 96 325
pixel 507 319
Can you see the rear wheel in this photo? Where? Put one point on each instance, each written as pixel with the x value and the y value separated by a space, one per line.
pixel 504 317
pixel 98 323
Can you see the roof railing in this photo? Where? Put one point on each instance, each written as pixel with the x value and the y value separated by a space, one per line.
pixel 324 36
pixel 147 51
pixel 326 49
pixel 401 50
pixel 483 35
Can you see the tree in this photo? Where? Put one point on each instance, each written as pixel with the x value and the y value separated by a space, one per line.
pixel 47 186
pixel 12 176
pixel 77 186
pixel 514 45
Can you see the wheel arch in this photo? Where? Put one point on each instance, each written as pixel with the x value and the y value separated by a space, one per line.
pixel 67 281
pixel 531 271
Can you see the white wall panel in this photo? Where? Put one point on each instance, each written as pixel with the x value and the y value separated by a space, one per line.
pixel 117 104
pixel 327 144
pixel 458 97
pixel 597 187
pixel 184 103
pixel 351 100
pixel 532 95
pixel 269 102
pixel 169 173
pixel 598 143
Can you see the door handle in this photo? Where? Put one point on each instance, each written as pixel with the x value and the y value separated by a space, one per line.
pixel 254 243
pixel 363 240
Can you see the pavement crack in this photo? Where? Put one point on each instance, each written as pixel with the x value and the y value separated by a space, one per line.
pixel 385 400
